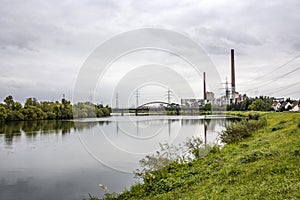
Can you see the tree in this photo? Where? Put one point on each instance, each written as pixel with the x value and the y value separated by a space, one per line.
pixel 34 110
pixel 99 112
pixel 17 106
pixel 33 113
pixel 9 101
pixel 57 111
pixel 31 102
pixel 106 111
pixel 14 115
pixel 260 105
pixel 3 113
pixel 207 107
pixel 66 109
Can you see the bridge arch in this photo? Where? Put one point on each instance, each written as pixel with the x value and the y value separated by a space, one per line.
pixel 153 102
pixel 156 102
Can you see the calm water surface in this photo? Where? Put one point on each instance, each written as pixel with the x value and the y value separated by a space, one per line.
pixel 69 159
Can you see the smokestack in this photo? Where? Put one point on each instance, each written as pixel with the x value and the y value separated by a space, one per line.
pixel 204 86
pixel 232 72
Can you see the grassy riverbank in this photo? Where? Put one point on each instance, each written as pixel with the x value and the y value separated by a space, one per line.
pixel 265 165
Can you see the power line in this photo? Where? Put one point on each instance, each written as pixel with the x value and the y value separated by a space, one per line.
pixel 290 93
pixel 284 75
pixel 277 68
pixel 275 79
pixel 276 90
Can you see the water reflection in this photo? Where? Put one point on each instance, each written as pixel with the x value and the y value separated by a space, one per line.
pixel 209 126
pixel 11 130
pixel 33 128
pixel 42 155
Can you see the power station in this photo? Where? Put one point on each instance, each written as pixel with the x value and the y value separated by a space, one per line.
pixel 231 95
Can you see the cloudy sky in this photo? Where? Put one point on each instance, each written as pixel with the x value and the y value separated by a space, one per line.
pixel 43 44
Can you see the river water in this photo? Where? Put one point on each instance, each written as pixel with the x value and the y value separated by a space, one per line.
pixel 69 159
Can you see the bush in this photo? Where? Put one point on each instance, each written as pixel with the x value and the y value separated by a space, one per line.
pixel 236 131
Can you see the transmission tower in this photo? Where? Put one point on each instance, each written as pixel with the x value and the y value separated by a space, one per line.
pixel 117 100
pixel 227 90
pixel 137 94
pixel 169 95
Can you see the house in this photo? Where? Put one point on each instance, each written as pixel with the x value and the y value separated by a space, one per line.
pixel 296 106
pixel 276 106
pixel 285 106
pixel 288 106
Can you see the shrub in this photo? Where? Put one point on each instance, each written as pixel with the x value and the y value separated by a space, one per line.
pixel 236 131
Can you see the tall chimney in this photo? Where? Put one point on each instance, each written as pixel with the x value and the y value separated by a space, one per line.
pixel 204 86
pixel 232 72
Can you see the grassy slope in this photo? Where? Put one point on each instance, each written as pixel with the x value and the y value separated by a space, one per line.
pixel 263 166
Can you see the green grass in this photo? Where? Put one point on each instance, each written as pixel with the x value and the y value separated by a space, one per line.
pixel 246 113
pixel 265 165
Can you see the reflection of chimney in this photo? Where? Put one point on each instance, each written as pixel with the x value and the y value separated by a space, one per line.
pixel 232 72
pixel 205 133
pixel 204 87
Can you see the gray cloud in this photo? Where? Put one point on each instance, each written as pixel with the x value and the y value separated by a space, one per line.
pixel 44 43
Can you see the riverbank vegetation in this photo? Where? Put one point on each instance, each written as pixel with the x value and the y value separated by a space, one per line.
pixel 263 164
pixel 12 110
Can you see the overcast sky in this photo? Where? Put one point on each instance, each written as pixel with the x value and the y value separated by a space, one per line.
pixel 43 44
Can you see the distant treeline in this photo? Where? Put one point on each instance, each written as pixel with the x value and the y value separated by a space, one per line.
pixel 262 103
pixel 34 110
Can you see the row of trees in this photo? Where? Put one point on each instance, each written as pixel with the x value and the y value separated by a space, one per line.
pixel 262 103
pixel 34 110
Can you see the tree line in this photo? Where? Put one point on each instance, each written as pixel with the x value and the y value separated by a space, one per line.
pixel 12 110
pixel 262 103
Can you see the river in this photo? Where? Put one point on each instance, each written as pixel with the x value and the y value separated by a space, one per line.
pixel 69 159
